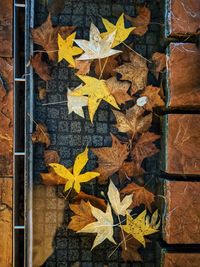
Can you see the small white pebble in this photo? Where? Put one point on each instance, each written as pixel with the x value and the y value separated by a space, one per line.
pixel 142 101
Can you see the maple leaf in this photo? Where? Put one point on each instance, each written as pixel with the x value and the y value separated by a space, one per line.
pixel 51 178
pixel 122 33
pixel 67 50
pixel 46 36
pixel 136 72
pixel 130 169
pixel 51 156
pixel 83 66
pixel 139 195
pixel 110 159
pixel 96 90
pixel 142 21
pixel 75 178
pixel 41 135
pixel 133 121
pixel 141 226
pixel 103 226
pixel 83 216
pixel 109 65
pixel 160 61
pixel 119 207
pixel 94 201
pixel 97 47
pixel 40 67
pixel 119 90
pixel 76 103
pixel 153 97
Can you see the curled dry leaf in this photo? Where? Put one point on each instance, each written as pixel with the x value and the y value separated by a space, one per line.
pixel 141 22
pixel 41 67
pixel 136 72
pixel 41 135
pixel 119 90
pixel 41 93
pixel 109 65
pixel 46 36
pixel 140 195
pixel 110 159
pixel 160 61
pixel 133 121
pixel 154 99
pixel 83 216
pixel 51 156
pixel 94 201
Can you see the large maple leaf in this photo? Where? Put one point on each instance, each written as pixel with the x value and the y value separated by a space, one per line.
pixel 96 90
pixel 46 36
pixel 110 159
pixel 135 71
pixel 75 178
pixel 41 67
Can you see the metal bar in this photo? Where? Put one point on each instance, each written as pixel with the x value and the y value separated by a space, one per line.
pixel 20 153
pixel 19 227
pixel 20 5
pixel 20 79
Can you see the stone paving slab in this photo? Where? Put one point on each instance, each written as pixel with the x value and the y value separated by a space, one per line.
pixel 183 76
pixel 181 223
pixel 182 144
pixel 181 259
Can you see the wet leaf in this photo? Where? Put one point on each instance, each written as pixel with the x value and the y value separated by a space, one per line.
pixel 41 135
pixel 160 61
pixel 153 97
pixel 51 156
pixel 41 67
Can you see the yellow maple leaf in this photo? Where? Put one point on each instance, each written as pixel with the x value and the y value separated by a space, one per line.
pixel 96 90
pixel 75 178
pixel 141 226
pixel 122 33
pixel 66 49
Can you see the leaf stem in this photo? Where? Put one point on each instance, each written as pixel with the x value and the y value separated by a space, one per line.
pixel 37 124
pixel 54 103
pixel 136 52
pixel 124 240
pixel 104 65
pixel 100 67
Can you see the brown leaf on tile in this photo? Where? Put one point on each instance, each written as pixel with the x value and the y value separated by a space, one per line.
pixel 140 195
pixel 142 21
pixel 41 135
pixel 51 178
pixel 160 61
pixel 41 93
pixel 153 97
pixel 41 67
pixel 51 156
pixel 83 66
pixel 130 169
pixel 109 64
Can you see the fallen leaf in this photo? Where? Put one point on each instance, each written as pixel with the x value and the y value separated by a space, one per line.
pixel 160 61
pixel 130 252
pixel 41 67
pixel 136 72
pixel 133 121
pixel 122 33
pixel 75 178
pixel 96 90
pixel 51 156
pixel 107 65
pixel 41 135
pixel 76 103
pixel 46 36
pixel 41 93
pixel 51 178
pixel 119 207
pixel 141 22
pixel 154 99
pixel 83 66
pixel 66 50
pixel 94 201
pixel 110 159
pixel 140 195
pixel 130 169
pixel 56 6
pixel 83 216
pixel 97 47
pixel 140 226
pixel 103 226
pixel 119 90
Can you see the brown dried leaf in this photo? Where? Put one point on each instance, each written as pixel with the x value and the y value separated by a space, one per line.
pixel 51 156
pixel 140 195
pixel 160 61
pixel 94 201
pixel 41 93
pixel 41 135
pixel 83 216
pixel 136 72
pixel 130 169
pixel 154 99
pixel 133 121
pixel 51 178
pixel 110 64
pixel 130 253
pixel 46 36
pixel 141 22
pixel 110 159
pixel 119 90
pixel 83 66
pixel 41 67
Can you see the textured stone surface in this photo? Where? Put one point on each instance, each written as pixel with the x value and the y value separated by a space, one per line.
pixel 6 19
pixel 6 222
pixel 182 151
pixel 181 260
pixel 182 216
pixel 183 75
pixel 183 17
